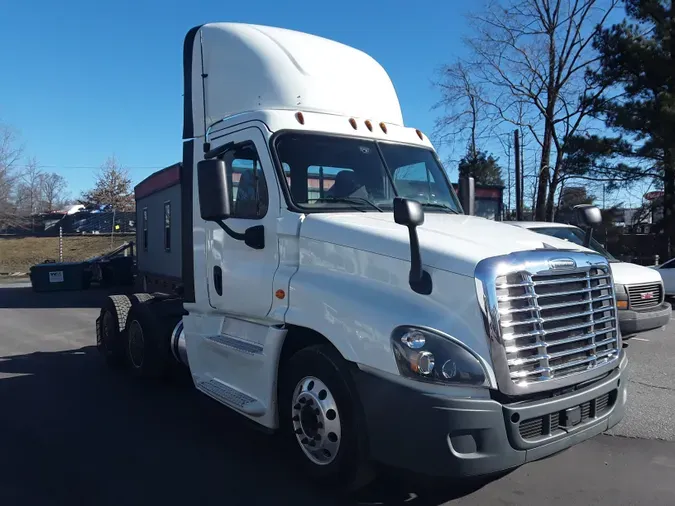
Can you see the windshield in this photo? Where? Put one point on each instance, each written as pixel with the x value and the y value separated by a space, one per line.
pixel 575 235
pixel 327 173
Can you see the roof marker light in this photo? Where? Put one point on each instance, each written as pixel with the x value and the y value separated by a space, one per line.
pixel 300 118
pixel 369 125
pixel 383 127
pixel 420 135
pixel 352 122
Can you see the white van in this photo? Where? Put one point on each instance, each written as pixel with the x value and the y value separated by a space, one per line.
pixel 640 295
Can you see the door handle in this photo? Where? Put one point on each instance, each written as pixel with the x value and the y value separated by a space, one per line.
pixel 218 280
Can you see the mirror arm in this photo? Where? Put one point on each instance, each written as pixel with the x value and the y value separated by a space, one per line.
pixel 419 279
pixel 588 237
pixel 234 235
pixel 254 237
pixel 415 256
pixel 216 152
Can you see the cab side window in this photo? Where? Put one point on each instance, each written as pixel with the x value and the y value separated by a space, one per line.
pixel 249 198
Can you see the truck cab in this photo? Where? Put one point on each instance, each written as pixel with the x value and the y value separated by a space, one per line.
pixel 333 289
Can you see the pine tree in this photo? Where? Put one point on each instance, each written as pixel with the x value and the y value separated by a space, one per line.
pixel 637 56
pixel 482 167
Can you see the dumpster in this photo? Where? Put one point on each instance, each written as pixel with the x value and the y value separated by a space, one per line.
pixel 53 277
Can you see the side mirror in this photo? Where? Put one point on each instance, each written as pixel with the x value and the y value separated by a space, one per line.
pixel 467 194
pixel 588 217
pixel 409 213
pixel 214 190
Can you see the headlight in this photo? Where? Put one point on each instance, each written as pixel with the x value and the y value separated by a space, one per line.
pixel 621 296
pixel 426 356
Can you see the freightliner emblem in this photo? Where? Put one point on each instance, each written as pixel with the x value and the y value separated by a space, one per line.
pixel 559 264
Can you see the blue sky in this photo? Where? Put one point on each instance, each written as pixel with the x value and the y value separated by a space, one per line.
pixel 85 80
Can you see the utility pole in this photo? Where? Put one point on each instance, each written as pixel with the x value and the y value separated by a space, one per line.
pixel 508 174
pixel 519 180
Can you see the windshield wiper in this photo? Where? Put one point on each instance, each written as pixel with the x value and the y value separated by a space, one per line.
pixel 445 207
pixel 353 200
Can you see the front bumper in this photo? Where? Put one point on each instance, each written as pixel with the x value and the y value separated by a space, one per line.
pixel 633 322
pixel 436 435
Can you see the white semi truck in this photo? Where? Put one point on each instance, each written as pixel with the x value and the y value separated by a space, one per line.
pixel 310 263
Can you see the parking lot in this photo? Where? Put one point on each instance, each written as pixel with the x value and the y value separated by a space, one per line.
pixel 74 432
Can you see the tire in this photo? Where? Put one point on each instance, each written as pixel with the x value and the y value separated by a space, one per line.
pixel 147 343
pixel 141 298
pixel 111 329
pixel 324 381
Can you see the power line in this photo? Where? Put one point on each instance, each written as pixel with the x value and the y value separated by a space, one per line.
pixel 40 166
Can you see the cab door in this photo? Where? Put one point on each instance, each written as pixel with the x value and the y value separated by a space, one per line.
pixel 240 277
pixel 228 342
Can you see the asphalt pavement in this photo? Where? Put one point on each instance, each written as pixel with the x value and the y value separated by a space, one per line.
pixel 74 432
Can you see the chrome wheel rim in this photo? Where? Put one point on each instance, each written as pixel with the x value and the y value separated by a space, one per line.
pixel 136 343
pixel 316 421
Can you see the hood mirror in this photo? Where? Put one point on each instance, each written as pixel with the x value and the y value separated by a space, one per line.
pixel 409 213
pixel 588 217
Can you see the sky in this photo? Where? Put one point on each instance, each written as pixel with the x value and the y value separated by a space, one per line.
pixel 83 80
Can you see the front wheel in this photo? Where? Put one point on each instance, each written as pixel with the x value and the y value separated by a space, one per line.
pixel 321 418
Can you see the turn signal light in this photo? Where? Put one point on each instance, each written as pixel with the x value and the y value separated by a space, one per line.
pixel 622 304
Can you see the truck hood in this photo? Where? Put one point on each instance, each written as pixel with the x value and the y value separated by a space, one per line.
pixel 451 242
pixel 633 274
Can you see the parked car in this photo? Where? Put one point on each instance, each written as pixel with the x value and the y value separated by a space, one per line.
pixel 640 290
pixel 667 272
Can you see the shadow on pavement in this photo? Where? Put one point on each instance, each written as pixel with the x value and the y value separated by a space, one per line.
pixel 23 297
pixel 73 432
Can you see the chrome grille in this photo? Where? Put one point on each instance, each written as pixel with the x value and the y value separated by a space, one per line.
pixel 556 324
pixel 645 296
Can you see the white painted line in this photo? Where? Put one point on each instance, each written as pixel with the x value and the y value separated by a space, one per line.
pixel 639 339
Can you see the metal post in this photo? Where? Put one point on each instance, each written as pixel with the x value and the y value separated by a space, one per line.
pixel 519 186
pixel 112 229
pixel 60 244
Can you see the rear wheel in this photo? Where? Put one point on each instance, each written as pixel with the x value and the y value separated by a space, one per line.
pixel 321 418
pixel 111 329
pixel 148 339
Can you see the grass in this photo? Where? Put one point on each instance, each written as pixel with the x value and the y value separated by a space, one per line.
pixel 18 254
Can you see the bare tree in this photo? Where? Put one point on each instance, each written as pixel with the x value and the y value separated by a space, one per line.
pixel 10 154
pixel 53 191
pixel 29 190
pixel 464 111
pixel 112 189
pixel 530 59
